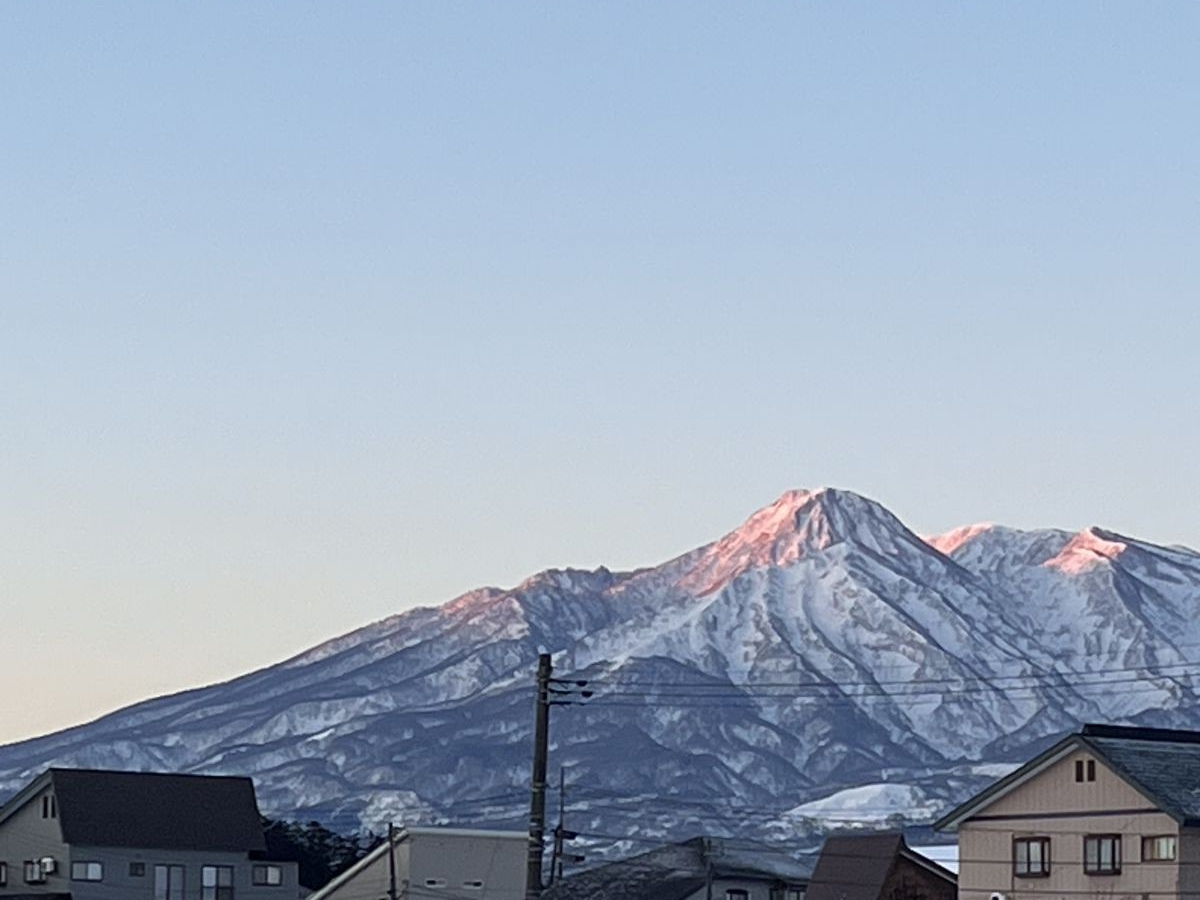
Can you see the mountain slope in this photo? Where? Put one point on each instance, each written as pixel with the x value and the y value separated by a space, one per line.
pixel 820 647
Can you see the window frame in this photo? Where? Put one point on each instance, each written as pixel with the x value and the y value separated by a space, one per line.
pixel 1117 844
pixel 264 879
pixel 3 874
pixel 216 890
pixel 86 866
pixel 1149 839
pixel 1029 841
pixel 171 869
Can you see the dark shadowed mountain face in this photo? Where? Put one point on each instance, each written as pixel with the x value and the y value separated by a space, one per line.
pixel 821 661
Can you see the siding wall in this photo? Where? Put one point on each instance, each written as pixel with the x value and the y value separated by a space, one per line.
pixel 26 835
pixel 498 862
pixel 1054 805
pixel 118 884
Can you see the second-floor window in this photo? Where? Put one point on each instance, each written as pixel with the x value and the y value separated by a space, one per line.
pixel 1031 857
pixel 3 874
pixel 1158 849
pixel 87 871
pixel 168 883
pixel 1102 854
pixel 34 873
pixel 216 883
pixel 269 876
pixel 737 894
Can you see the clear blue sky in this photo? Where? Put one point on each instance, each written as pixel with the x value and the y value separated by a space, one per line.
pixel 314 312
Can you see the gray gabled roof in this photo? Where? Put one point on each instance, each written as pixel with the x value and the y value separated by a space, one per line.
pixel 678 870
pixel 1162 764
pixel 102 808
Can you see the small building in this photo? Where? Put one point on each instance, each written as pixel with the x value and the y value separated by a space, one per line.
pixel 692 870
pixel 1109 811
pixel 878 867
pixel 437 862
pixel 98 835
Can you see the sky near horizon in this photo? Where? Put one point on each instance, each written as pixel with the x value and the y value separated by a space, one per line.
pixel 311 313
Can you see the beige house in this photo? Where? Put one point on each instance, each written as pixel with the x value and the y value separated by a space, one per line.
pixel 1111 812
pixel 450 863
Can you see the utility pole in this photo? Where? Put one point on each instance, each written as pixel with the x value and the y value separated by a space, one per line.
pixel 391 839
pixel 537 795
pixel 708 869
pixel 556 860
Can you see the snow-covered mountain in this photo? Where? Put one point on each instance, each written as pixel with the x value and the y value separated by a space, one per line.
pixel 821 661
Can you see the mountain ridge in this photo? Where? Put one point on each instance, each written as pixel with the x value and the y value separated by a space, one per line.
pixel 918 658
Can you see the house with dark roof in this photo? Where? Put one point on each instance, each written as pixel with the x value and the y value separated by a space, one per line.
pixel 696 869
pixel 878 867
pixel 100 835
pixel 1108 811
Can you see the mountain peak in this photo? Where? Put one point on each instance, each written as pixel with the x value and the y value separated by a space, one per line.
pixel 951 540
pixel 1091 547
pixel 798 524
pixel 817 517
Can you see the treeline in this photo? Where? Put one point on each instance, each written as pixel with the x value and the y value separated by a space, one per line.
pixel 321 854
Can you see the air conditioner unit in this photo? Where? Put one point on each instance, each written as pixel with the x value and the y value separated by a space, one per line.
pixel 996 895
pixel 48 865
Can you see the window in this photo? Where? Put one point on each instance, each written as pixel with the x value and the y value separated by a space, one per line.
pixel 1031 857
pixel 33 872
pixel 168 883
pixel 87 871
pixel 1158 849
pixel 794 894
pixel 216 883
pixel 1085 770
pixel 271 876
pixel 1102 854
pixel 137 870
pixel 49 807
pixel 737 894
pixel 3 874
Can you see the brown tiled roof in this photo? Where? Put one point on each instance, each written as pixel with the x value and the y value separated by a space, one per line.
pixel 857 866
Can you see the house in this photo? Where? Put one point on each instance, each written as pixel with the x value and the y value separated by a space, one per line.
pixel 98 835
pixel 437 862
pixel 693 870
pixel 878 867
pixel 1110 810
